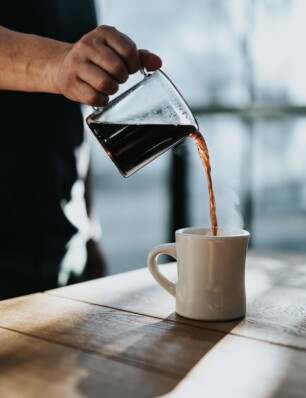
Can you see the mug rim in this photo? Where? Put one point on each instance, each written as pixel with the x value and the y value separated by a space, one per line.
pixel 201 232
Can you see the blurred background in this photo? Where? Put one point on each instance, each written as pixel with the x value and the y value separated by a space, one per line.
pixel 241 66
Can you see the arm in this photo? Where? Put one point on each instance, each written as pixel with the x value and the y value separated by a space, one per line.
pixel 87 71
pixel 26 61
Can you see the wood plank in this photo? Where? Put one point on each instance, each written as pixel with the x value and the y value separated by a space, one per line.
pixel 135 291
pixel 30 368
pixel 264 270
pixel 242 368
pixel 153 344
pixel 279 268
pixel 234 367
pixel 276 295
pixel 278 315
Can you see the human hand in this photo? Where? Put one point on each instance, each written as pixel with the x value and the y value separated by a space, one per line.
pixel 92 69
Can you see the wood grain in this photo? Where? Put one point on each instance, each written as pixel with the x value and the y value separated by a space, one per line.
pixel 34 368
pixel 119 337
pixel 276 296
pixel 241 367
pixel 78 352
pixel 157 345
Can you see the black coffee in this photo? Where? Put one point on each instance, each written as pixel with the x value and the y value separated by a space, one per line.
pixel 132 146
pixel 204 156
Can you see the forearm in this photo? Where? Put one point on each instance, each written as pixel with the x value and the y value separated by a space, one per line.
pixel 27 61
pixel 87 71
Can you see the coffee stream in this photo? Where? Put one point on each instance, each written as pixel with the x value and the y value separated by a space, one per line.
pixel 131 146
pixel 204 155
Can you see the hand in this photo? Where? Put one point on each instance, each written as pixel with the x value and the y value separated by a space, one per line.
pixel 92 69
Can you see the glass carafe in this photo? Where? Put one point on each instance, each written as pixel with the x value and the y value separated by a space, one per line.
pixel 142 123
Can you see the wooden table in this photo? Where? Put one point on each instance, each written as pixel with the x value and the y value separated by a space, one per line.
pixel 119 337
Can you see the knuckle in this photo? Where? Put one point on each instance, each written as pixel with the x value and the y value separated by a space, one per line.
pixel 119 72
pixel 71 81
pixel 129 50
pixel 106 29
pixel 73 62
pixel 118 69
pixel 85 45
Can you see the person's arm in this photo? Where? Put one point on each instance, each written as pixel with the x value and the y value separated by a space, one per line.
pixel 87 71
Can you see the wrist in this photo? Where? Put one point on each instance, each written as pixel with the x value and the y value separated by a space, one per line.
pixel 53 66
pixel 29 62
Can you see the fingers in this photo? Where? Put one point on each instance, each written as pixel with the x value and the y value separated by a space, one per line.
pixel 106 59
pixel 112 51
pixel 86 94
pixel 149 60
pixel 92 68
pixel 117 54
pixel 98 79
pixel 123 46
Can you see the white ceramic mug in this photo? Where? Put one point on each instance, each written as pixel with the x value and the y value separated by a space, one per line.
pixel 211 273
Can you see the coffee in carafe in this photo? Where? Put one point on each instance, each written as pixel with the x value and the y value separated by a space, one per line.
pixel 144 122
pixel 131 146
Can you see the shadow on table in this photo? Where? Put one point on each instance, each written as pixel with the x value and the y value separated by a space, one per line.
pixel 98 351
pixel 121 353
pixel 163 352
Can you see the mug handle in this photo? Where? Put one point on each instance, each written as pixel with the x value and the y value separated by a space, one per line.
pixel 167 248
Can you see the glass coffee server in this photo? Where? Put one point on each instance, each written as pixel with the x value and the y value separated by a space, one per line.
pixel 240 65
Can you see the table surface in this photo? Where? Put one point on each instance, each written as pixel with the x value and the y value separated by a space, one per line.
pixel 120 337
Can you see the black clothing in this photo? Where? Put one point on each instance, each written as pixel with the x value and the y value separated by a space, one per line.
pixel 40 134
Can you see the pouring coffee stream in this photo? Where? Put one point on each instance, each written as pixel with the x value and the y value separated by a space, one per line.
pixel 144 122
pixel 204 156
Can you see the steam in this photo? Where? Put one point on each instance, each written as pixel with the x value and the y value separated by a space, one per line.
pixel 226 185
pixel 228 208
